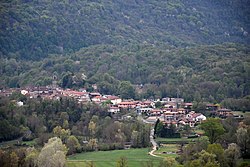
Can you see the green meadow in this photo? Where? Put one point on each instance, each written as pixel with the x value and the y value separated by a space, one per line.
pixel 135 158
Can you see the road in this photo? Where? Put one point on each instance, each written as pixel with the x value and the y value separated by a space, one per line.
pixel 154 144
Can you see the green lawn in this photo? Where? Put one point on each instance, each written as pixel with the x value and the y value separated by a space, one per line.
pixel 30 143
pixel 246 114
pixel 167 148
pixel 173 140
pixel 135 157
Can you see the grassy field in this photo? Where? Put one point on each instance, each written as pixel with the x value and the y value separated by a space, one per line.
pixel 30 143
pixel 172 140
pixel 246 114
pixel 135 157
pixel 167 148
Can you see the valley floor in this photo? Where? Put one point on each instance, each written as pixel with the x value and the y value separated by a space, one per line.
pixel 135 158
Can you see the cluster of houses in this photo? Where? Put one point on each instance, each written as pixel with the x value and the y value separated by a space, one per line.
pixel 172 110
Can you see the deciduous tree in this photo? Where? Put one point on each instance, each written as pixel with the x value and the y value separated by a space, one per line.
pixel 213 129
pixel 232 154
pixel 73 144
pixel 53 154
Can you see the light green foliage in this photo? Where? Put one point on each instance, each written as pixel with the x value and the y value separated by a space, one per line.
pixel 62 133
pixel 13 160
pixel 243 138
pixel 92 128
pixel 92 144
pixel 122 162
pixel 203 159
pixel 167 162
pixel 232 154
pixel 53 154
pixel 31 158
pixel 72 144
pixel 217 150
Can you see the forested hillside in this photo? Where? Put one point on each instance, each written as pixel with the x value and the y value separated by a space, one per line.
pixel 212 73
pixel 35 29
pixel 198 49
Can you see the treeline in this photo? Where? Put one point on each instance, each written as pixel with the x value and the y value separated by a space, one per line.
pixel 40 120
pixel 165 131
pixel 202 74
pixel 225 144
pixel 32 30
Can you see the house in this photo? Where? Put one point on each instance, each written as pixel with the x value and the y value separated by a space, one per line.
pixel 143 110
pixel 211 107
pixel 224 112
pixel 174 100
pixel 19 103
pixel 94 94
pixel 114 99
pixel 198 117
pixel 127 104
pixel 155 112
pixel 96 99
pixel 114 110
pixel 188 105
pixel 147 104
pixel 24 92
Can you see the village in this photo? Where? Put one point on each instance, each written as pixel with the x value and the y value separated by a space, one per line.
pixel 170 111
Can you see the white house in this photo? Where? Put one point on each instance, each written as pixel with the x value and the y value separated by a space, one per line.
pixel 199 117
pixel 114 110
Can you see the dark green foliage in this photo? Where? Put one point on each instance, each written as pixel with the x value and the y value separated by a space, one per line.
pixel 126 90
pixel 35 29
pixel 8 131
pixel 212 73
pixel 166 131
pixel 213 129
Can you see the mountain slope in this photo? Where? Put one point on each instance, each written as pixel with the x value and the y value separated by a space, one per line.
pixel 211 72
pixel 34 29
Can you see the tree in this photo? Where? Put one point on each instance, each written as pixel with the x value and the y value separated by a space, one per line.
pixel 92 144
pixel 13 160
pixel 203 159
pixel 159 129
pixel 167 162
pixel 201 143
pixel 192 149
pixel 62 133
pixel 72 144
pixel 122 162
pixel 232 154
pixel 134 138
pixel 217 150
pixel 53 154
pixel 243 139
pixel 67 81
pixel 158 104
pixel 92 128
pixel 31 157
pixel 213 129
pixel 126 90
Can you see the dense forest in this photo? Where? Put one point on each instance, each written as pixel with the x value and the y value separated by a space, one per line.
pixel 162 48
pixel 136 49
pixel 202 73
pixel 35 29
